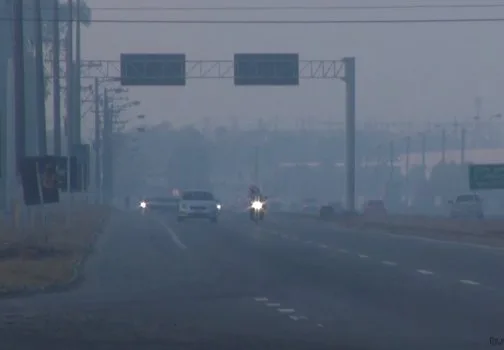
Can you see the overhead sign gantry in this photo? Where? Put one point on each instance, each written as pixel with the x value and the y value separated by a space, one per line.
pixel 245 69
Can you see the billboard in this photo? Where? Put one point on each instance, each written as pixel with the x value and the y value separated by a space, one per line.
pixel 486 177
pixel 153 69
pixel 40 180
pixel 278 69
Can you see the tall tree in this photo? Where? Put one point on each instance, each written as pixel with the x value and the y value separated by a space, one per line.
pixel 47 16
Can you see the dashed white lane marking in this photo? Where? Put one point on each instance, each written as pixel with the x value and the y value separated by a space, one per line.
pixel 297 318
pixel 273 304
pixel 425 272
pixel 363 256
pixel 173 236
pixel 319 325
pixel 309 242
pixel 261 299
pixel 324 246
pixel 389 263
pixel 474 283
pixel 286 311
pixel 344 251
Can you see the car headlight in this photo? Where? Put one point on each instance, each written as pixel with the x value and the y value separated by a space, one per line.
pixel 219 207
pixel 143 204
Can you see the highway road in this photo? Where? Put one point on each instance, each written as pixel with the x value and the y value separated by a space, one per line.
pixel 284 284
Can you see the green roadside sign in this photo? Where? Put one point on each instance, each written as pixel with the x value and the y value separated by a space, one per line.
pixel 486 177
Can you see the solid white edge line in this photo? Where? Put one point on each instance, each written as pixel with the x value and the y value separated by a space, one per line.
pixel 440 241
pixel 473 283
pixel 173 236
pixel 286 311
pixel 273 304
pixel 261 299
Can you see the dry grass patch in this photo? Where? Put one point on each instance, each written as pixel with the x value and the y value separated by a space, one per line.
pixel 45 254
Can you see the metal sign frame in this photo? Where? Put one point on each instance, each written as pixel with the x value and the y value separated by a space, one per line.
pixel 339 69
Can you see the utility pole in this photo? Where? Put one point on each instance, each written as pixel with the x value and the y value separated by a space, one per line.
pixel 462 146
pixel 40 84
pixel 69 79
pixel 107 151
pixel 408 150
pixel 391 160
pixel 19 79
pixel 97 142
pixel 349 63
pixel 56 80
pixel 77 72
pixel 424 151
pixel 443 145
pixel 256 165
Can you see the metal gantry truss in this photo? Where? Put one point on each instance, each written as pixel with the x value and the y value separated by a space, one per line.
pixel 344 69
pixel 208 69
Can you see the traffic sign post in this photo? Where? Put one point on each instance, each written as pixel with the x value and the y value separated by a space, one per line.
pixel 486 177
pixel 153 69
pixel 266 69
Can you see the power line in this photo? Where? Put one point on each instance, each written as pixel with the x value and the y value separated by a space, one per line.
pixel 298 8
pixel 322 21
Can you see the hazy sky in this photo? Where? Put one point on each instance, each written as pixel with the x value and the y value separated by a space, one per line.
pixel 411 72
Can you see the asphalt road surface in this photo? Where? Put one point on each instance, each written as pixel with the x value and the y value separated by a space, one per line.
pixel 283 284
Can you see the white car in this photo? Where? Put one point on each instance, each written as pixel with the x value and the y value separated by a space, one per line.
pixel 467 206
pixel 198 204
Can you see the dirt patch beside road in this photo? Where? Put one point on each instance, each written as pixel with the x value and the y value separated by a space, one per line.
pixel 47 254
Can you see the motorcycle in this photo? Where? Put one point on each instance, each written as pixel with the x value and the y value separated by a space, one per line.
pixel 257 210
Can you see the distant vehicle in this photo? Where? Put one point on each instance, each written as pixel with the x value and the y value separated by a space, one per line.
pixel 198 204
pixel 467 206
pixel 337 207
pixel 374 207
pixel 161 204
pixel 311 208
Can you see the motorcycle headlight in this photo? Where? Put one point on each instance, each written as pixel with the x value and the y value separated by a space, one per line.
pixel 257 205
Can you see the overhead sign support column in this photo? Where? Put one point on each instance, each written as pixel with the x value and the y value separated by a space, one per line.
pixel 350 132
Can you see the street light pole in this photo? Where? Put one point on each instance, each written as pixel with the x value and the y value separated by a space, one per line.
pixel 19 82
pixel 56 80
pixel 97 143
pixel 40 82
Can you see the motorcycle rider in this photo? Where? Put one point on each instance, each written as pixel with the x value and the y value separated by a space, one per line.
pixel 254 193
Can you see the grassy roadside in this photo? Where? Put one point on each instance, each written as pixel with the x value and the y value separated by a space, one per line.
pixel 46 254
